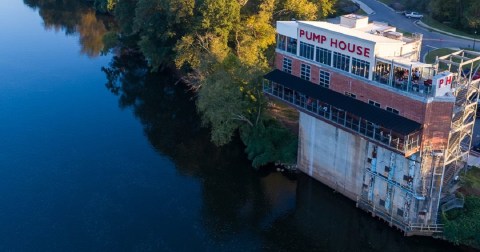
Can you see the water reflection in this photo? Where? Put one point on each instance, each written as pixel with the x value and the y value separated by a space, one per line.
pixel 74 17
pixel 243 208
pixel 234 198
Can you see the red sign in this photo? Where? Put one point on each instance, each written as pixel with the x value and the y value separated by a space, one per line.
pixel 336 43
pixel 445 81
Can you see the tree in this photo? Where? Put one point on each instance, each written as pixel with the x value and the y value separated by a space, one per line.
pixel 472 15
pixel 255 35
pixel 463 226
pixel 270 142
pixel 305 9
pixel 225 102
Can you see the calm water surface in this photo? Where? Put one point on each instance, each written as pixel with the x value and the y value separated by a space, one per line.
pixel 86 166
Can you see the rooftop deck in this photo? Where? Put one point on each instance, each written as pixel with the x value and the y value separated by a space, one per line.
pixel 391 130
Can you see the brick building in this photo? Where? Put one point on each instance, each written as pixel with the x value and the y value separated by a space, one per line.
pixel 376 124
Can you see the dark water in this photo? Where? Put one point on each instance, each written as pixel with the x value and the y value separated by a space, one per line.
pixel 125 166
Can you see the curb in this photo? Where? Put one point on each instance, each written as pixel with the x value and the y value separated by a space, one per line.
pixel 422 24
pixel 387 6
pixel 364 7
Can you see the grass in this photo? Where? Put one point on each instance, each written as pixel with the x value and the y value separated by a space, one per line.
pixel 361 12
pixel 441 26
pixel 431 56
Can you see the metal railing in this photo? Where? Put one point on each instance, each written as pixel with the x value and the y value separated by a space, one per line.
pixel 407 228
pixel 420 87
pixel 343 118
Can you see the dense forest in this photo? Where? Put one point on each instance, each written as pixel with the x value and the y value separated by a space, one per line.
pixel 460 14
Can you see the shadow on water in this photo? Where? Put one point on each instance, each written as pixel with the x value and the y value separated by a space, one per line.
pixel 281 214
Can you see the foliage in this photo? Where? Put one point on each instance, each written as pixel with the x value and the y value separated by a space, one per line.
pixel 472 178
pixel 105 5
pixel 223 47
pixel 270 142
pixel 463 226
pixel 432 55
pixel 461 14
pixel 223 102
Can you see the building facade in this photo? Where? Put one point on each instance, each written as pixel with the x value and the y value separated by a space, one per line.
pixel 376 124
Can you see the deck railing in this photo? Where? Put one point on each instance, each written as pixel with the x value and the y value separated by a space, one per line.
pixel 343 118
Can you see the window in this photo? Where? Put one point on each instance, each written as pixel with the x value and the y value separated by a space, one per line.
pixel 374 103
pixel 399 212
pixel 282 42
pixel 392 110
pixel 324 56
pixel 351 94
pixel 305 72
pixel 306 50
pixel 291 45
pixel 381 202
pixel 341 61
pixel 324 79
pixel 360 67
pixel 287 65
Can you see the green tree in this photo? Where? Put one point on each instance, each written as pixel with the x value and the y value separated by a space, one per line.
pixel 160 23
pixel 472 15
pixel 225 101
pixel 305 9
pixel 463 226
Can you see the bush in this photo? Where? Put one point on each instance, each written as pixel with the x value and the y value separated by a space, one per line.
pixel 462 226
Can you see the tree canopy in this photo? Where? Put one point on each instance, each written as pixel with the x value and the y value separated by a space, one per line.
pixel 222 48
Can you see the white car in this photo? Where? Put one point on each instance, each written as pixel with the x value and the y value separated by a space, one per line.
pixel 413 14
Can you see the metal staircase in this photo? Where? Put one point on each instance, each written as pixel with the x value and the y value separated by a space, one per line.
pixel 464 64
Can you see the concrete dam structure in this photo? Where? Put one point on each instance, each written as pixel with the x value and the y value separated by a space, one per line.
pixel 376 124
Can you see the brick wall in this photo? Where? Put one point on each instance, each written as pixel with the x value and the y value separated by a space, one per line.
pixel 437 124
pixel 409 108
pixel 435 116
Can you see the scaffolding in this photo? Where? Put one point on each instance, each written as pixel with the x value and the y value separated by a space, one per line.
pixel 465 67
pixel 430 171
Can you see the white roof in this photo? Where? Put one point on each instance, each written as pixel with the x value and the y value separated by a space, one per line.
pixel 375 26
pixel 350 32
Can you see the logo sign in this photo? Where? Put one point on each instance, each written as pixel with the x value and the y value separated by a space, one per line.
pixel 443 83
pixel 349 47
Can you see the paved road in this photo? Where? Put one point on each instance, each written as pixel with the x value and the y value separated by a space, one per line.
pixel 430 39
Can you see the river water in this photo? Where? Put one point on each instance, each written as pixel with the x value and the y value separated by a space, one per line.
pixel 92 165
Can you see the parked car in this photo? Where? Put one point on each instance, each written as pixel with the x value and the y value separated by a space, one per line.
pixel 413 14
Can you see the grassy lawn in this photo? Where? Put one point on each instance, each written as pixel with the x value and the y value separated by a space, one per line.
pixel 431 56
pixel 435 24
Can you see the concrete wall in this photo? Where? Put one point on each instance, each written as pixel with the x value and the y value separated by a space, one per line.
pixel 338 159
pixel 331 155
